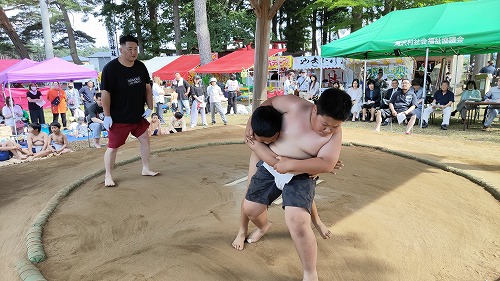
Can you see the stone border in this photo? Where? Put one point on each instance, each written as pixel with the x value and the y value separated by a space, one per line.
pixel 35 252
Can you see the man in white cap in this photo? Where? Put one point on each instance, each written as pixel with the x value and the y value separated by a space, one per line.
pixel 215 96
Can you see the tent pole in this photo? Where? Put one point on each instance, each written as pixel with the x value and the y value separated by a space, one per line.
pixel 13 114
pixel 320 72
pixel 364 81
pixel 455 74
pixel 424 91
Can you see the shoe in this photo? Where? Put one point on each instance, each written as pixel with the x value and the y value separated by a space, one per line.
pixel 213 122
pixel 385 123
pixel 453 113
pixel 225 124
pixel 371 121
pixel 444 127
pixel 205 126
pixel 424 124
pixel 486 129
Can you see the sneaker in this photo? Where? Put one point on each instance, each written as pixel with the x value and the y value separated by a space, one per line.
pixel 213 122
pixel 485 129
pixel 225 123
pixel 385 123
pixel 424 124
pixel 444 127
pixel 453 113
pixel 205 126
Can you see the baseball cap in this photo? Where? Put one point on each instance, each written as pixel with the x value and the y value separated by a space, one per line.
pixel 197 77
pixel 213 79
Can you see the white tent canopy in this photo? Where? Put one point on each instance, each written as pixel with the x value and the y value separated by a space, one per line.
pixel 156 63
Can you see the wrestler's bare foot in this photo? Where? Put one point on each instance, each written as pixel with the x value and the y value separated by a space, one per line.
pixel 149 173
pixel 258 233
pixel 310 276
pixel 239 241
pixel 323 230
pixel 108 181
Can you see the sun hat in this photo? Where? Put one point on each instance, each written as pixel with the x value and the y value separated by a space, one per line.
pixel 213 79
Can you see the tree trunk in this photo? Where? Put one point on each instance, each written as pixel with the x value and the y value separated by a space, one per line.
pixel 324 28
pixel 357 18
pixel 387 7
pixel 480 61
pixel 138 26
pixel 177 28
pixel 71 35
pixel 200 8
pixel 274 28
pixel 153 25
pixel 11 32
pixel 314 46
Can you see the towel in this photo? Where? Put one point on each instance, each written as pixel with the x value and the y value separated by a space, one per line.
pixel 279 179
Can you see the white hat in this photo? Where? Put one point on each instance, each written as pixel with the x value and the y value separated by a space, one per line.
pixel 213 79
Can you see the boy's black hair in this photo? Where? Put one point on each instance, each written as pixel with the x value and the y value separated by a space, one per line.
pixel 128 38
pixel 153 114
pixel 266 121
pixel 35 126
pixel 416 82
pixel 178 115
pixel 334 103
pixel 55 124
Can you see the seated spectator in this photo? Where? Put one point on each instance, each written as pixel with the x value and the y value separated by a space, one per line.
pixel 372 101
pixel 174 103
pixel 493 95
pixel 13 115
pixel 58 139
pixel 471 94
pixel 38 142
pixel 95 119
pixel 177 123
pixel 386 96
pixel 9 149
pixel 79 129
pixel 404 102
pixel 419 92
pixel 443 99
pixel 356 95
pixel 155 128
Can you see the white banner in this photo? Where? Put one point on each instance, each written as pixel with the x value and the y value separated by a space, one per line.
pixel 314 62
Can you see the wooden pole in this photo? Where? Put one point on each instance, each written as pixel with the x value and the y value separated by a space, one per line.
pixel 262 40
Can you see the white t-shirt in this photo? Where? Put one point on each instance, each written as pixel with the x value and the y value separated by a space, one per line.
pixel 15 114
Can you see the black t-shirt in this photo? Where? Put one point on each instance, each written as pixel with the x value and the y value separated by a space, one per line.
pixel 198 90
pixel 402 102
pixel 181 89
pixel 33 105
pixel 95 111
pixel 127 87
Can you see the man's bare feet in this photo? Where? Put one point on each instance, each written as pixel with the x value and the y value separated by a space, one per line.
pixel 97 145
pixel 149 173
pixel 108 181
pixel 310 276
pixel 239 241
pixel 258 233
pixel 323 230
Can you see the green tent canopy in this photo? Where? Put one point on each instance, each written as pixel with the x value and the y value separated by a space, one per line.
pixel 447 29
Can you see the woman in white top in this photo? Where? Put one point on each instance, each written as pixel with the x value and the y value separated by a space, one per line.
pixel 356 96
pixel 215 94
pixel 12 114
pixel 158 98
pixel 313 91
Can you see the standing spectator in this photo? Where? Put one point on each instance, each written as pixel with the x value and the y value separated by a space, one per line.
pixel 58 100
pixel 303 84
pixel 489 68
pixel 13 114
pixel 313 91
pixel 372 101
pixel 471 94
pixel 35 104
pixel 174 103
pixel 73 97
pixel 380 82
pixel 356 95
pixel 96 119
pixel 289 84
pixel 125 90
pixel 215 95
pixel 443 99
pixel 232 88
pixel 402 102
pixel 493 95
pixel 420 75
pixel 182 88
pixel 87 94
pixel 198 93
pixel 158 98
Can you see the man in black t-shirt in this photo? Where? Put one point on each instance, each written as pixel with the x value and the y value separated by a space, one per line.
pixel 125 90
pixel 95 119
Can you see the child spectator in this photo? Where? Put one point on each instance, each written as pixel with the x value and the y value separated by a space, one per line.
pixel 155 126
pixel 38 142
pixel 177 123
pixel 58 139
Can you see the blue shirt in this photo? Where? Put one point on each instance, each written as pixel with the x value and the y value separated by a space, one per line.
pixel 444 99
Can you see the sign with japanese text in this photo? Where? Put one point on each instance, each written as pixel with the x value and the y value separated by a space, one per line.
pixel 285 62
pixel 314 62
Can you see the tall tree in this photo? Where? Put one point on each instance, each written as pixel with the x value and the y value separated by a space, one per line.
pixel 14 37
pixel 200 7
pixel 177 27
pixel 71 34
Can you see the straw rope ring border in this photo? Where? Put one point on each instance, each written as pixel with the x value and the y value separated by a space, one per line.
pixel 35 253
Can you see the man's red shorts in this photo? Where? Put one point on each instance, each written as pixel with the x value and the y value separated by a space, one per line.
pixel 118 132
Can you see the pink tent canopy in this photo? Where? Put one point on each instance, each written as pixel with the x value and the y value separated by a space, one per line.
pixel 25 63
pixel 54 69
pixel 4 64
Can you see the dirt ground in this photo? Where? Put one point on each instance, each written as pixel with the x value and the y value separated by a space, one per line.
pixel 392 218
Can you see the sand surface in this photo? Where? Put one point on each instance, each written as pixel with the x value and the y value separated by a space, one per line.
pixel 392 218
